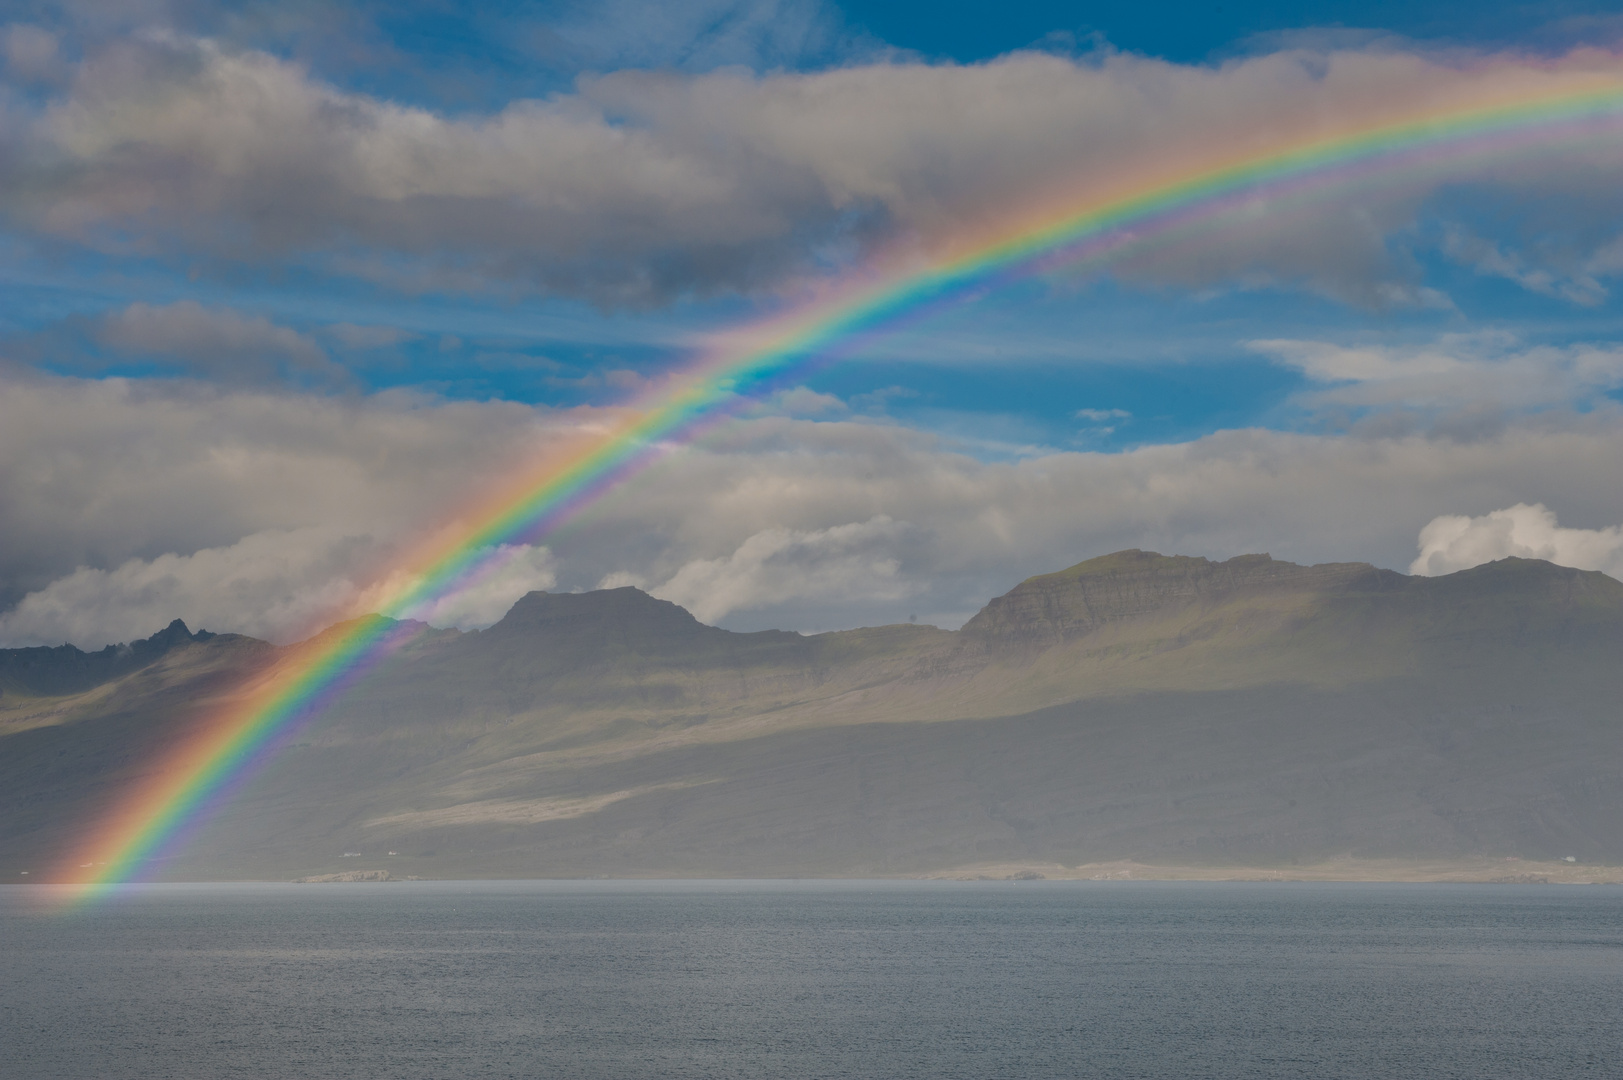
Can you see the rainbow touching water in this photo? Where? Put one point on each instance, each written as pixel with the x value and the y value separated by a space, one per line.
pixel 1193 202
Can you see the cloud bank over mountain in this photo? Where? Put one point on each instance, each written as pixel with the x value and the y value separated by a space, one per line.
pixel 1456 542
pixel 245 510
pixel 277 585
pixel 854 562
pixel 266 585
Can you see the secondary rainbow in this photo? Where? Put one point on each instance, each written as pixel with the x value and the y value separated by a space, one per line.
pixel 1192 203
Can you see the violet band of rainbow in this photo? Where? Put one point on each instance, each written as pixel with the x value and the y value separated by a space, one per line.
pixel 1196 206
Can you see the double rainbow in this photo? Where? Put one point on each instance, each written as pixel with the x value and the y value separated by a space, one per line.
pixel 1192 205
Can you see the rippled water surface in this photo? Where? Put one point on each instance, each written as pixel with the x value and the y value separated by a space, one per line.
pixel 814 979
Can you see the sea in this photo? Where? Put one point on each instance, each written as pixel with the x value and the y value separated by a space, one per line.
pixel 837 979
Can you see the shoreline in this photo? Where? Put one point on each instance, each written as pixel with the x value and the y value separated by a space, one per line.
pixel 1479 871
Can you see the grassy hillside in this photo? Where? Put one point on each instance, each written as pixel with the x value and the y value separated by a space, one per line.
pixel 1133 707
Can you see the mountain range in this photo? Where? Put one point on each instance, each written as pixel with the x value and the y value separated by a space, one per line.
pixel 1133 711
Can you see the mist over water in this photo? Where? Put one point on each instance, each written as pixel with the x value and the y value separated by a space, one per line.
pixel 595 979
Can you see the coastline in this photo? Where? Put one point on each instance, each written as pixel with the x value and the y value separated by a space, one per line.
pixel 1484 871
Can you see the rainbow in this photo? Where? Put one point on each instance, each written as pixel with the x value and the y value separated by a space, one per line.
pixel 1193 203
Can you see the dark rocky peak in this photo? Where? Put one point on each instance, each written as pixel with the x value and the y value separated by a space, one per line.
pixel 67 669
pixel 594 628
pixel 625 618
pixel 613 612
pixel 171 636
pixel 1057 607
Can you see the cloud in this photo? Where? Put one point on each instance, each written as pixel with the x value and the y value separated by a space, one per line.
pixel 278 585
pixel 973 529
pixel 1102 422
pixel 693 35
pixel 1529 531
pixel 96 472
pixel 801 401
pixel 505 573
pixel 832 565
pixel 217 343
pixel 1325 362
pixel 622 578
pixel 352 336
pixel 31 54
pixel 220 344
pixel 771 521
pixel 1456 372
pixel 1487 258
pixel 642 185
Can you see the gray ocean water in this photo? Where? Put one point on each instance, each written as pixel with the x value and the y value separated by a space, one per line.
pixel 815 979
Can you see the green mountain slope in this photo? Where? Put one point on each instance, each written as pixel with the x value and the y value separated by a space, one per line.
pixel 1132 707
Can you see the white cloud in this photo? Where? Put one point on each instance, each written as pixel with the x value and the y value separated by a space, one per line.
pixel 802 401
pixel 642 184
pixel 1455 371
pixel 1490 260
pixel 215 342
pixel 1326 362
pixel 976 528
pixel 278 584
pixel 831 566
pixel 772 521
pixel 97 472
pixel 502 575
pixel 1529 531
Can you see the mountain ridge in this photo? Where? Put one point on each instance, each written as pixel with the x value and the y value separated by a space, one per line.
pixel 1042 610
pixel 44 670
pixel 1131 707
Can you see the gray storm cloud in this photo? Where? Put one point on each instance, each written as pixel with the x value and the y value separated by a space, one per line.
pixel 641 185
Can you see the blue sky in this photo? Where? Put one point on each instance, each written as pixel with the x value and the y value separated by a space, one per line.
pixel 470 226
pixel 970 30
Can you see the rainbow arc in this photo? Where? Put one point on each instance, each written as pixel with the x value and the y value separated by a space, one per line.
pixel 1191 204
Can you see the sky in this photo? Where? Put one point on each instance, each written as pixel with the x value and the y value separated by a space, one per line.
pixel 283 282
